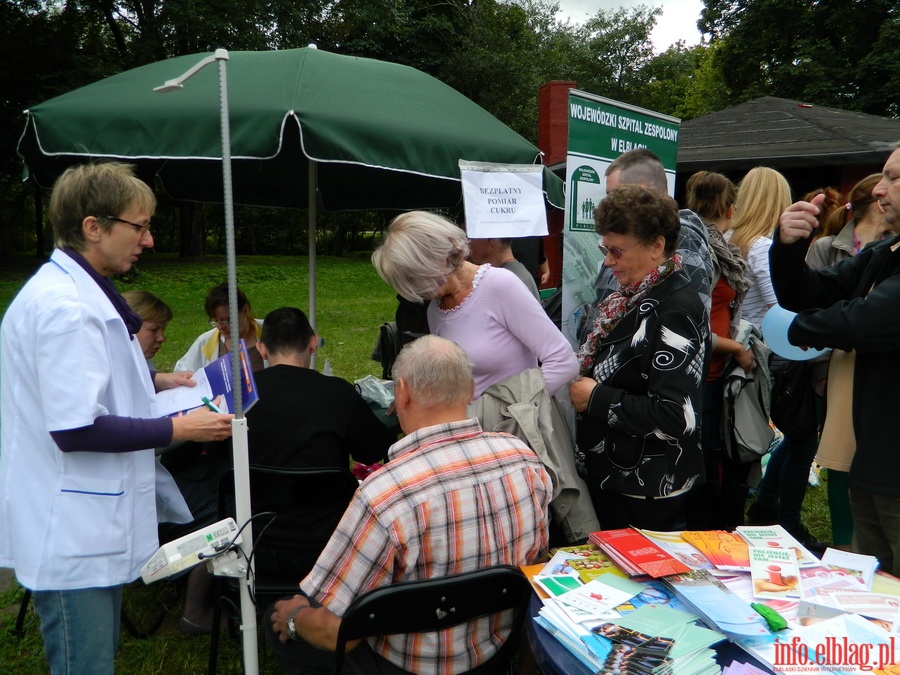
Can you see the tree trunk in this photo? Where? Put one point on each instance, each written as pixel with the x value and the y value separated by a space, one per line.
pixel 191 240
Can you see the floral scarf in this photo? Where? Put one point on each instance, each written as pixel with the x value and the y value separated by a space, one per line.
pixel 616 305
pixel 728 262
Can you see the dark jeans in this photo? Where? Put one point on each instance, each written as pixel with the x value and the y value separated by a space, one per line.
pixel 784 483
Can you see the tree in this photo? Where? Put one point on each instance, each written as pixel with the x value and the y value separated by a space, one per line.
pixel 617 47
pixel 815 51
pixel 707 91
pixel 669 77
pixel 496 52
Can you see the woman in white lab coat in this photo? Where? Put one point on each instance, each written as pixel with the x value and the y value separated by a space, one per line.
pixel 77 469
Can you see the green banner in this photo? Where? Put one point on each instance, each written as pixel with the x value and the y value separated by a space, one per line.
pixel 605 128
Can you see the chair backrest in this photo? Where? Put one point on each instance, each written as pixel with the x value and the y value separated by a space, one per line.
pixel 308 502
pixel 429 605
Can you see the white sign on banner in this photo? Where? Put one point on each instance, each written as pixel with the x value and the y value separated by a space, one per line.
pixel 503 200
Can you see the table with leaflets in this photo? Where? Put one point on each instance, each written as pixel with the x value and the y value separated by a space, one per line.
pixel 656 603
pixel 553 658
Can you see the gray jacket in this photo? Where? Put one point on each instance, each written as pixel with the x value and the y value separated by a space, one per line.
pixel 520 405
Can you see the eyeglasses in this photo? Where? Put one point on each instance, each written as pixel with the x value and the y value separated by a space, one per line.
pixel 220 323
pixel 140 228
pixel 613 251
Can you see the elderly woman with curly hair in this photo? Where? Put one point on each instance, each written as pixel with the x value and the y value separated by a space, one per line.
pixel 639 397
pixel 486 310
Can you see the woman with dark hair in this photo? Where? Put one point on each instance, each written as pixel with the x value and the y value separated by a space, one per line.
pixel 642 368
pixel 215 343
pixel 846 231
pixel 720 503
pixel 834 202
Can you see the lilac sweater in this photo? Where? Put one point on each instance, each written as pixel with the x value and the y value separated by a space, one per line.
pixel 504 331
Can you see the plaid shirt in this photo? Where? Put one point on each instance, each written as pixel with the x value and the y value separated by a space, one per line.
pixel 452 499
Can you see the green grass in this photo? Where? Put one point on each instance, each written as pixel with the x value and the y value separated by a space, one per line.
pixel 352 303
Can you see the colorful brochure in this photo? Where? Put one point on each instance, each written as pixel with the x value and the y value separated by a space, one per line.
pixel 725 550
pixel 212 381
pixel 775 536
pixel 557 565
pixel 654 640
pixel 857 565
pixel 709 599
pixel 635 554
pixel 593 567
pixel 675 544
pixel 775 573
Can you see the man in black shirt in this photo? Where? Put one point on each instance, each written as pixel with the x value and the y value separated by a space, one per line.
pixel 305 419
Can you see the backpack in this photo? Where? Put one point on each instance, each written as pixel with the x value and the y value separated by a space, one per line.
pixel 387 347
pixel 746 429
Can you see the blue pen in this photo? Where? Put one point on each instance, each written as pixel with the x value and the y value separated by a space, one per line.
pixel 209 404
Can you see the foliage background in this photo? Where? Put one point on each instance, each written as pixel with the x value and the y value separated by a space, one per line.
pixel 840 53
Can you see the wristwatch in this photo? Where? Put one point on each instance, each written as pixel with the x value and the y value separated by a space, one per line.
pixel 292 629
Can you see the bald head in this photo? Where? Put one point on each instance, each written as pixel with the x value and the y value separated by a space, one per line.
pixel 436 371
pixel 637 167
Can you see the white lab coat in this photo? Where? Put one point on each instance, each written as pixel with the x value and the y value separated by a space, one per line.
pixel 78 519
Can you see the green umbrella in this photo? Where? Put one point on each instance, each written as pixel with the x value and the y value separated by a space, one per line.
pixel 382 135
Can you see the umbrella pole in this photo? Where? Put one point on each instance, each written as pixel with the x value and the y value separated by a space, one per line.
pixel 311 228
pixel 239 445
pixel 239 423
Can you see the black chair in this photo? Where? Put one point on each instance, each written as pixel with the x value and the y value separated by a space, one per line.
pixel 308 504
pixel 430 605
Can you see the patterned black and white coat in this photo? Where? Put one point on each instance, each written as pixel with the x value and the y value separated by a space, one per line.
pixel 640 433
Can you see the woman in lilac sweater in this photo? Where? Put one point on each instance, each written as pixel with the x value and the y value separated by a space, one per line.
pixel 485 310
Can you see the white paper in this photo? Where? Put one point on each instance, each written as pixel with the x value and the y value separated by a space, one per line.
pixel 596 597
pixel 184 397
pixel 503 200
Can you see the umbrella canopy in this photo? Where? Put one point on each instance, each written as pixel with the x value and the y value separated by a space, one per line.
pixel 383 135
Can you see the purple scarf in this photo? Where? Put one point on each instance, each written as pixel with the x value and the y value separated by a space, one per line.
pixel 132 321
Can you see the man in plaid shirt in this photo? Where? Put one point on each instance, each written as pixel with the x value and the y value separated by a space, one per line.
pixel 451 499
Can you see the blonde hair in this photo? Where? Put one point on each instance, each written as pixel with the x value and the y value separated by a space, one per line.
pixel 762 197
pixel 420 251
pixel 147 306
